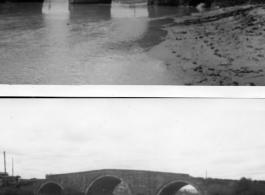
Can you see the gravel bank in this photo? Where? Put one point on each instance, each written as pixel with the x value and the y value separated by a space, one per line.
pixel 221 47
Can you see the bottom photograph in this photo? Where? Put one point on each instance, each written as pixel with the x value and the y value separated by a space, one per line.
pixel 132 146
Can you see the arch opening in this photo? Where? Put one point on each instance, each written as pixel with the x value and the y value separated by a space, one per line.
pixel 50 188
pixel 187 190
pixel 105 185
pixel 179 188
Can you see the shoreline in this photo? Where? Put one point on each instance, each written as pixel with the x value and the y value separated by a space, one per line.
pixel 225 46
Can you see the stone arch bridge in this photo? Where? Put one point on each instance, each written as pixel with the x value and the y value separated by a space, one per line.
pixel 132 182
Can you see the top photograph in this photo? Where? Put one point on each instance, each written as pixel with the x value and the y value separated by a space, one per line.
pixel 132 42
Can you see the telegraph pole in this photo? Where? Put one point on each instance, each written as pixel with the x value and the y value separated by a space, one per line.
pixel 12 167
pixel 5 166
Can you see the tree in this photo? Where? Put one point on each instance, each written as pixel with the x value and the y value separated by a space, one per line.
pixel 248 187
pixel 243 186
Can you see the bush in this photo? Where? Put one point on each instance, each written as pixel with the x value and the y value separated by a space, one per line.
pixel 13 191
pixel 219 189
pixel 25 183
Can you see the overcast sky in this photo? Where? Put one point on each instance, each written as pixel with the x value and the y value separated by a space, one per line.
pixel 224 137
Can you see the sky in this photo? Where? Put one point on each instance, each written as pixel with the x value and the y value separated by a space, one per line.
pixel 224 137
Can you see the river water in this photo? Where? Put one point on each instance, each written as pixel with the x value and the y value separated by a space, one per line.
pixel 59 43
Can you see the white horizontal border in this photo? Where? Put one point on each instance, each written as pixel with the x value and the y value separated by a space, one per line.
pixel 131 91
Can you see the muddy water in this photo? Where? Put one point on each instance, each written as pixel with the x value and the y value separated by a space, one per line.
pixel 59 43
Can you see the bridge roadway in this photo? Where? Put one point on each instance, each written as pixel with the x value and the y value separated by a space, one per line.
pixel 130 182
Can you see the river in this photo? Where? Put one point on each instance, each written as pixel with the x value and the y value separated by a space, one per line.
pixel 63 44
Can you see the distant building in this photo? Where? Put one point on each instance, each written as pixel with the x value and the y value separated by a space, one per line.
pixel 9 179
pixel 3 174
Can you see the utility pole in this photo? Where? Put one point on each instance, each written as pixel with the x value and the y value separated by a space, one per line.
pixel 12 168
pixel 5 166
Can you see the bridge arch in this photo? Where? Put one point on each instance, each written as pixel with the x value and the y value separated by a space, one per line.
pixel 173 187
pixel 105 185
pixel 50 188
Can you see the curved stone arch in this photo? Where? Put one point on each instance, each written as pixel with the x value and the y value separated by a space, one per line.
pixel 180 181
pixel 107 175
pixel 48 182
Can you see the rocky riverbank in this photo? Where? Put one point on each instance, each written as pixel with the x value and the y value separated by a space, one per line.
pixel 208 3
pixel 221 47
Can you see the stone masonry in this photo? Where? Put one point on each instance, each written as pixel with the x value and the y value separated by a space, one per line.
pixel 104 182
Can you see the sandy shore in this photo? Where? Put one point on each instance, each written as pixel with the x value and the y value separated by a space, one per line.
pixel 221 47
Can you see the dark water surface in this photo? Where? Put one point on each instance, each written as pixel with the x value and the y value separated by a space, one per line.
pixel 59 43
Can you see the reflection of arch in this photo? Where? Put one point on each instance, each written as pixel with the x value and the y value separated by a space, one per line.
pixel 104 185
pixel 173 187
pixel 50 188
pixel 91 11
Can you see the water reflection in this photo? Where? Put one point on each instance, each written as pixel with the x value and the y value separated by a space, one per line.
pixel 55 39
pixel 89 12
pixel 60 43
pixel 57 7
pixel 20 9
pixel 20 16
pixel 129 10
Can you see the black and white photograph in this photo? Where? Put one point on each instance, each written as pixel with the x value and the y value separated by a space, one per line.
pixel 132 42
pixel 128 146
